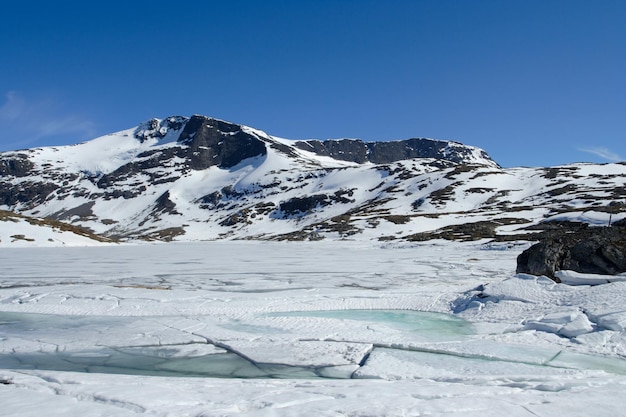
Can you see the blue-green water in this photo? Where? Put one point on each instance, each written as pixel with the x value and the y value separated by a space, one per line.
pixel 96 355
pixel 154 360
pixel 429 325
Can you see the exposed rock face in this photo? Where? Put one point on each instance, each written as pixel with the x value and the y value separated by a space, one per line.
pixel 31 193
pixel 387 152
pixel 299 206
pixel 213 142
pixel 16 165
pixel 591 250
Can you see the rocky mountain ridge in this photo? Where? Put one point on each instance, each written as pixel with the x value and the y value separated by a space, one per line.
pixel 201 178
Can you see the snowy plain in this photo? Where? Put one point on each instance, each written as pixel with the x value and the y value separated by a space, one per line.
pixel 330 328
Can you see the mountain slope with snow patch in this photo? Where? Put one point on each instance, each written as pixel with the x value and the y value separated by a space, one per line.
pixel 23 231
pixel 200 178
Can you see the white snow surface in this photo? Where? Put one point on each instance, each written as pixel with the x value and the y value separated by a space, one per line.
pixel 331 328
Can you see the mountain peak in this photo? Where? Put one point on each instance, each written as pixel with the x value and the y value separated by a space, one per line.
pixel 201 133
pixel 198 177
pixel 159 128
pixel 210 141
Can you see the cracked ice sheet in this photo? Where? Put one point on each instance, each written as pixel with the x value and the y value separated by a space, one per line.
pixel 38 332
pixel 304 353
pixel 400 364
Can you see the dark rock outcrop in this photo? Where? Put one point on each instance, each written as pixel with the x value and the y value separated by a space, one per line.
pixel 354 150
pixel 164 204
pixel 344 149
pixel 213 142
pixel 27 194
pixel 16 165
pixel 599 250
pixel 301 205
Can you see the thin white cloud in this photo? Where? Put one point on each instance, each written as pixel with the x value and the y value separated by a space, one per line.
pixel 12 108
pixel 603 153
pixel 25 121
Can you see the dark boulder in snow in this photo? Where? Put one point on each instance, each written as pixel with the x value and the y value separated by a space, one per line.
pixel 600 250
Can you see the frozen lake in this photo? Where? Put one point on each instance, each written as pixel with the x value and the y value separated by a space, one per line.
pixel 193 359
pixel 303 328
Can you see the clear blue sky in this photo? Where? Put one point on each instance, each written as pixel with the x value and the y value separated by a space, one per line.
pixel 533 82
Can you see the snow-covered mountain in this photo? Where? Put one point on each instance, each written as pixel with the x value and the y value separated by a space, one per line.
pixel 200 178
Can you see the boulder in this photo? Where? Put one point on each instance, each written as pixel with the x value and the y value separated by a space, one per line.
pixel 594 250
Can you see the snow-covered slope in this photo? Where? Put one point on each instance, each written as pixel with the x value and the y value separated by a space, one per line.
pixel 200 178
